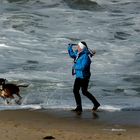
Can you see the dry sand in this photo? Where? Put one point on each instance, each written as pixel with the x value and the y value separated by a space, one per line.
pixel 66 125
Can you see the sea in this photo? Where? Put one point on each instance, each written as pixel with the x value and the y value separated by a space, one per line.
pixel 34 35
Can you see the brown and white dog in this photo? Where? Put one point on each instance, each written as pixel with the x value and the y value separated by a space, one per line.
pixel 8 90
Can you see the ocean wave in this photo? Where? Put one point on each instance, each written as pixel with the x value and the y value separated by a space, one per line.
pixel 33 39
pixel 83 4
pixel 23 1
pixel 111 108
pixel 137 108
pixel 122 35
pixel 36 3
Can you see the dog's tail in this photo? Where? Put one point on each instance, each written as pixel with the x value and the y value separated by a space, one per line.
pixel 25 85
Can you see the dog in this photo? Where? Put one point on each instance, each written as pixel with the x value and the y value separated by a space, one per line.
pixel 8 90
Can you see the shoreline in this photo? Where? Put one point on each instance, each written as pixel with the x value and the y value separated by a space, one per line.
pixel 64 124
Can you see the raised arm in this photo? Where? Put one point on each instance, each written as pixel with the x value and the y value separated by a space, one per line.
pixel 72 54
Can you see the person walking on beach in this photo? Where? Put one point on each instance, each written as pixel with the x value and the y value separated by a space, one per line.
pixel 81 69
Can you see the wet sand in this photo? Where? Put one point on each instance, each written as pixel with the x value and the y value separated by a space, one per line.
pixel 67 125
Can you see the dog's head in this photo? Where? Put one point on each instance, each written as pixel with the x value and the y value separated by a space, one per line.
pixel 2 81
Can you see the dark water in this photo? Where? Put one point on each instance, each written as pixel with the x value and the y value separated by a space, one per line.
pixel 33 49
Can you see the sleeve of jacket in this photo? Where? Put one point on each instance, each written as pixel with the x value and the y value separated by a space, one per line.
pixel 72 54
pixel 84 63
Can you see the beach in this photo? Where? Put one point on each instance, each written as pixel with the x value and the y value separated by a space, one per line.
pixel 66 125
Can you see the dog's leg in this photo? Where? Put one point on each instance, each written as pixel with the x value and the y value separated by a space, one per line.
pixel 19 100
pixel 18 95
pixel 6 100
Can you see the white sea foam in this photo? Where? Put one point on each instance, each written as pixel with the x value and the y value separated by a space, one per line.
pixel 115 130
pixel 110 108
pixel 4 46
pixel 16 107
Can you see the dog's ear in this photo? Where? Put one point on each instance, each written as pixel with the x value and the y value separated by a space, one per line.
pixel 2 81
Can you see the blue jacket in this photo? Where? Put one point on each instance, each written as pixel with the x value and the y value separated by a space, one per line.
pixel 81 62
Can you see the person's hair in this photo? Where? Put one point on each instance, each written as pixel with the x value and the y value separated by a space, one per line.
pixel 83 42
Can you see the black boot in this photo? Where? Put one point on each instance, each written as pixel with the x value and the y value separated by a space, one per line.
pixel 95 107
pixel 77 109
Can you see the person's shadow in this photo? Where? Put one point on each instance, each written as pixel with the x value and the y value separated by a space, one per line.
pixel 95 115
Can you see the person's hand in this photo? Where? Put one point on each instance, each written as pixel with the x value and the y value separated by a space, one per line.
pixel 71 44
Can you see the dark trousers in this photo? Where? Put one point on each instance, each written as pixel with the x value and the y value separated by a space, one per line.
pixel 83 84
